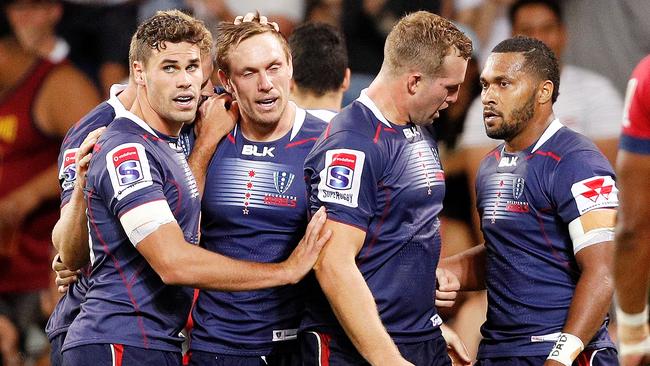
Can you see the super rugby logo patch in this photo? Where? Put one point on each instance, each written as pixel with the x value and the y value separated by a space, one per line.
pixel 340 179
pixel 128 168
pixel 595 192
pixel 68 169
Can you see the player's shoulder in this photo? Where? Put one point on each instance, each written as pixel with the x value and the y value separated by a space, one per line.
pixel 356 118
pixel 308 124
pixel 102 115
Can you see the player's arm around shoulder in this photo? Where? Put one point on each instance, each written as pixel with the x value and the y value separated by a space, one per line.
pixel 350 297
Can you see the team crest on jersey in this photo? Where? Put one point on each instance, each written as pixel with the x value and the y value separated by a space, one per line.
pixel 68 169
pixel 595 192
pixel 128 168
pixel 282 181
pixel 517 187
pixel 340 178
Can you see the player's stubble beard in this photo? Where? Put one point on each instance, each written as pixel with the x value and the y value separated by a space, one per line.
pixel 519 117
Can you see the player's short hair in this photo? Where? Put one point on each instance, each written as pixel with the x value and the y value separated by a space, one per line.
pixel 420 41
pixel 168 26
pixel 230 35
pixel 319 57
pixel 552 5
pixel 539 59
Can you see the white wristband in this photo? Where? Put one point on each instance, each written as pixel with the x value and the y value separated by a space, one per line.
pixel 632 320
pixel 566 349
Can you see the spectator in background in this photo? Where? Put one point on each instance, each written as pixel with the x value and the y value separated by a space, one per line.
pixel 39 101
pixel 320 69
pixel 34 24
pixel 588 102
pixel 99 33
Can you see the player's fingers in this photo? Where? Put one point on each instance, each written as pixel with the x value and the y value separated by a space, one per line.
pixel 248 17
pixel 66 280
pixel 85 161
pixel 317 222
pixel 264 19
pixel 238 19
pixel 275 26
pixel 62 289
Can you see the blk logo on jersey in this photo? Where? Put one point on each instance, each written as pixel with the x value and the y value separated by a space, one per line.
pixel 253 150
pixel 411 133
pixel 68 169
pixel 339 179
pixel 508 161
pixel 128 168
pixel 595 192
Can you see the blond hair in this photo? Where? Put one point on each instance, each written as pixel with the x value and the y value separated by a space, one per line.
pixel 168 26
pixel 230 35
pixel 420 41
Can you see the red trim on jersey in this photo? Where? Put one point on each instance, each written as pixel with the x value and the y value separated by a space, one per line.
pixel 231 138
pixel 549 154
pixel 145 340
pixel 119 354
pixel 327 130
pixel 189 325
pixel 377 131
pixel 383 217
pixel 324 348
pixel 300 142
pixel 390 129
pixel 179 192
pixel 557 256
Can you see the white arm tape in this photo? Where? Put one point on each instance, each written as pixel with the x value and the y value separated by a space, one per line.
pixel 566 349
pixel 582 240
pixel 632 320
pixel 642 348
pixel 143 220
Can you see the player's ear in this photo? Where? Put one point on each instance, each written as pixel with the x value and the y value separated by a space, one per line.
pixel 545 92
pixel 138 72
pixel 413 81
pixel 225 81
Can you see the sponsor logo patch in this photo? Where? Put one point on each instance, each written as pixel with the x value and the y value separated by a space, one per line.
pixel 595 192
pixel 68 170
pixel 128 168
pixel 340 179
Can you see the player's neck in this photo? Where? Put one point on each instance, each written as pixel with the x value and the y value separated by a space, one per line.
pixel 264 132
pixel 383 91
pixel 330 100
pixel 531 133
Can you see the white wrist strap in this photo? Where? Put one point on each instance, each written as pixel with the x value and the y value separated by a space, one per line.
pixel 632 320
pixel 566 349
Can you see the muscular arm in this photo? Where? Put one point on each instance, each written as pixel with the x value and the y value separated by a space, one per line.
pixel 631 269
pixel 351 298
pixel 608 146
pixel 180 263
pixel 594 290
pixel 70 234
pixel 469 267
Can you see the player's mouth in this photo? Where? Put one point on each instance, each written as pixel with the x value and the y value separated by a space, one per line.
pixel 267 103
pixel 490 116
pixel 184 101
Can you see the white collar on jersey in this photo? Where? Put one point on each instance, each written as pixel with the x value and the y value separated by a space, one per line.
pixel 548 133
pixel 138 121
pixel 114 102
pixel 365 100
pixel 298 121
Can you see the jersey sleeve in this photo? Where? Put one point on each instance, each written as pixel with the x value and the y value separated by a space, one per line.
pixel 342 174
pixel 636 114
pixel 128 176
pixel 583 181
pixel 67 172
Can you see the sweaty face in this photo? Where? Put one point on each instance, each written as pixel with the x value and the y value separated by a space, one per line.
pixel 173 79
pixel 508 95
pixel 540 22
pixel 435 93
pixel 260 75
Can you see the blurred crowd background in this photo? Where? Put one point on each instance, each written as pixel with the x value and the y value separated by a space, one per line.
pixel 597 41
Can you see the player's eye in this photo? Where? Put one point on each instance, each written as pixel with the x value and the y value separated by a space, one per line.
pixel 169 68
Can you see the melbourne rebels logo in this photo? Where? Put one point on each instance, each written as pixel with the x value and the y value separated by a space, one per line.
pixel 282 181
pixel 127 165
pixel 517 187
pixel 341 171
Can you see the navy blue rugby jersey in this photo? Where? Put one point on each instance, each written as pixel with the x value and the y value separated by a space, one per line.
pixel 526 201
pixel 68 306
pixel 386 180
pixel 127 302
pixel 254 208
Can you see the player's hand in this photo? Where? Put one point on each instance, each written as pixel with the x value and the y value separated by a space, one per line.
pixel 215 120
pixel 455 347
pixel 64 276
pixel 84 154
pixel 304 257
pixel 447 288
pixel 249 18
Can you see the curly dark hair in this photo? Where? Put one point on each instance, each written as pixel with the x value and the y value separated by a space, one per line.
pixel 539 59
